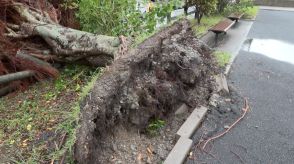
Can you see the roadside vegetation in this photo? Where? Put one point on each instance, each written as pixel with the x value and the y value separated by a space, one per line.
pixel 206 23
pixel 215 12
pixel 251 12
pixel 222 58
pixel 34 122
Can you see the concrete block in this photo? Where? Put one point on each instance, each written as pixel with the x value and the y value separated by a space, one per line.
pixel 221 84
pixel 182 109
pixel 179 152
pixel 192 122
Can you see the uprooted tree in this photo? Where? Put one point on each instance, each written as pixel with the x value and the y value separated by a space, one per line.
pixel 151 81
pixel 31 37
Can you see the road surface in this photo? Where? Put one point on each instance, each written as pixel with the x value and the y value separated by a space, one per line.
pixel 264 72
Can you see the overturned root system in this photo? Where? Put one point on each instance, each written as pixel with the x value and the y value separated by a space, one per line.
pixel 170 68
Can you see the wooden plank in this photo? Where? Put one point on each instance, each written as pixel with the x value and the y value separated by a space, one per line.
pixel 222 26
pixel 236 15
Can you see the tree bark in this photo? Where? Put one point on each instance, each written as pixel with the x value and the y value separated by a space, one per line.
pixel 16 76
pixel 68 45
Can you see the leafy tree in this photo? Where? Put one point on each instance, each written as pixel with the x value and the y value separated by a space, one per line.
pixel 203 7
pixel 222 4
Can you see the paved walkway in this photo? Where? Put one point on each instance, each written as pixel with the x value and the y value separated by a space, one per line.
pixel 234 39
pixel 265 74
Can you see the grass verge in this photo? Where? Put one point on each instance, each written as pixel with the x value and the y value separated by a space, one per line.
pixel 206 23
pixel 251 12
pixel 222 58
pixel 39 125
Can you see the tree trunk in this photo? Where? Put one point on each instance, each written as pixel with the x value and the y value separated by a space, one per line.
pixel 68 45
pixel 198 15
pixel 186 7
pixel 222 4
pixel 168 17
pixel 186 10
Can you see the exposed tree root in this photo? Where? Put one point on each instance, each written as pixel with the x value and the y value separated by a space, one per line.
pixel 15 76
pixel 5 90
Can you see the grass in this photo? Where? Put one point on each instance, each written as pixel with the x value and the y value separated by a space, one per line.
pixel 33 122
pixel 251 12
pixel 206 23
pixel 154 126
pixel 222 58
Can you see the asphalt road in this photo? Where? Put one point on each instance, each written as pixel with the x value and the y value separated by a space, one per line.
pixel 266 76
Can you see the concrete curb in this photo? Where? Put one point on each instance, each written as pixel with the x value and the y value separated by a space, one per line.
pixel 184 143
pixel 192 122
pixel 179 152
pixel 229 65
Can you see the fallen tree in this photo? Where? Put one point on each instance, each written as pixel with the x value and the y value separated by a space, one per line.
pixel 30 32
pixel 66 44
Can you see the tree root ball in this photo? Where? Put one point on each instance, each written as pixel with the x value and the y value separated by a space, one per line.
pixel 168 69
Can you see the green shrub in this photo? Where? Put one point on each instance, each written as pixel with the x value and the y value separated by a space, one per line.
pixel 120 17
pixel 251 12
pixel 242 6
pixel 109 17
pixel 154 126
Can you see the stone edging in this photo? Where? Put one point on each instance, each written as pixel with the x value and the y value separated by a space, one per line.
pixel 180 151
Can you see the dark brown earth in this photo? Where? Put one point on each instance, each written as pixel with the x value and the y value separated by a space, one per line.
pixel 150 82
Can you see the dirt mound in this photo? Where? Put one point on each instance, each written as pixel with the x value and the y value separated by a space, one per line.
pixel 168 69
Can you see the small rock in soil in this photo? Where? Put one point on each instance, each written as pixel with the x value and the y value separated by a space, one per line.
pixel 214 100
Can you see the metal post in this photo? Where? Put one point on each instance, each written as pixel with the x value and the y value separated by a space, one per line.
pixel 216 38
